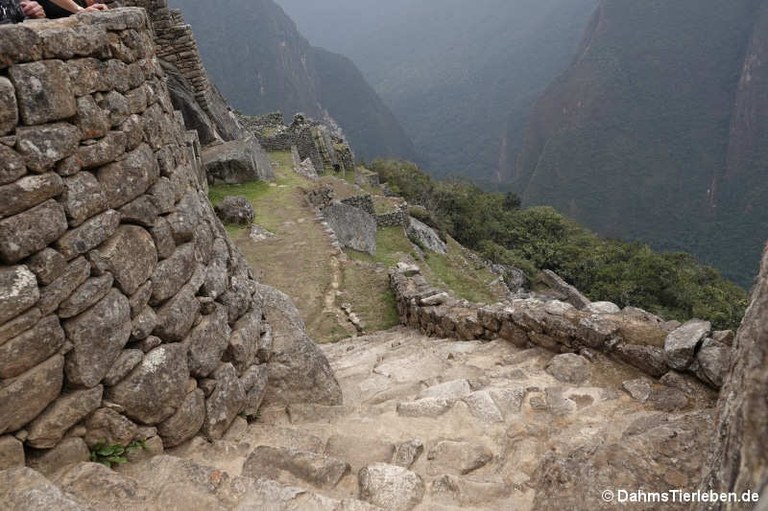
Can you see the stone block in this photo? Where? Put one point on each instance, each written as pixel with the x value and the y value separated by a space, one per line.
pixel 144 324
pixel 98 335
pixel 18 291
pixel 66 43
pixel 87 76
pixel 28 232
pixel 24 397
pixel 49 428
pixel 19 324
pixel 9 113
pixel 176 317
pixel 153 391
pixel 44 91
pixel 57 291
pixel 48 265
pixel 126 179
pixel 69 452
pixel 106 150
pixel 124 364
pixel 82 198
pixel 141 211
pixel 89 234
pixel 12 165
pixel 90 292
pixel 92 121
pixel 134 135
pixel 11 453
pixel 172 273
pixel 108 426
pixel 30 348
pixel 116 106
pixel 207 342
pixel 43 146
pixel 185 422
pixel 224 403
pixel 28 192
pixel 19 44
pixel 129 254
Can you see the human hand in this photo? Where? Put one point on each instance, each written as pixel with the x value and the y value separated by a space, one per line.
pixel 96 7
pixel 32 9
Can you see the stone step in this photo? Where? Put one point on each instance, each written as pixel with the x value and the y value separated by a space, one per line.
pixel 293 466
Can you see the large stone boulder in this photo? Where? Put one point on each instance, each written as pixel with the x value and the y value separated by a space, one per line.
pixel 299 372
pixel 235 210
pixel 425 236
pixel 239 161
pixel 354 228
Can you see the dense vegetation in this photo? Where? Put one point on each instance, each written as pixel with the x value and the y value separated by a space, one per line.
pixel 671 284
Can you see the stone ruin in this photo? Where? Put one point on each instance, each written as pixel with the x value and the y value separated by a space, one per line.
pixel 126 313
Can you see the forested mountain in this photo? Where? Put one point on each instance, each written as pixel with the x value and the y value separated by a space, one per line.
pixel 460 75
pixel 658 131
pixel 261 63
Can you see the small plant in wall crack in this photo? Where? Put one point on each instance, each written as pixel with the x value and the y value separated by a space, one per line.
pixel 114 454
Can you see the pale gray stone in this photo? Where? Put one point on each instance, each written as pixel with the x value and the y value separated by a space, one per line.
pixel 207 342
pixel 107 426
pixel 12 165
pixel 90 292
pixel 458 458
pixel 30 348
pixel 130 255
pixel 130 177
pixel 224 403
pixel 390 487
pixel 89 234
pixel 569 368
pixel 28 232
pixel 105 150
pixel 176 317
pixel 408 453
pixel 43 91
pixel 172 273
pixel 9 113
pixel 254 382
pixel 185 422
pixel 18 291
pixel 126 361
pixel 301 466
pixel 23 488
pixel 52 295
pixel 82 197
pixel 24 397
pixel 92 121
pixel 28 192
pixel 680 345
pixel 140 211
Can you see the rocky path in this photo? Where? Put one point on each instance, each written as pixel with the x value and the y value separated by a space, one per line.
pixel 426 424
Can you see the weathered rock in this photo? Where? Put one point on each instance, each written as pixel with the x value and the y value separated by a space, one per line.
pixel 682 343
pixel 43 146
pixel 11 453
pixel 235 210
pixel 207 342
pixel 224 403
pixel 130 256
pixel 141 211
pixel 98 335
pixel 53 294
pixel 277 463
pixel 9 113
pixel 24 397
pixel 435 300
pixel 18 291
pixel 425 407
pixel 668 399
pixel 128 178
pixel 28 349
pixel 109 427
pixel 390 487
pixel 639 389
pixel 12 165
pixel 19 324
pixel 124 364
pixel 243 344
pixel 176 317
pixel 117 107
pixel 235 162
pixel 449 457
pixel 407 453
pixel 90 292
pixel 649 359
pixel 89 235
pixel 49 428
pixel 23 488
pixel 162 235
pixel 569 368
pixel 186 217
pixel 172 273
pixel 48 265
pixel 28 232
pixel 602 308
pixel 712 362
pixel 298 370
pixel 44 91
pixel 254 382
pixel 425 237
pixel 68 452
pixel 354 228
pixel 106 150
pixel 572 295
pixel 482 406
pixel 185 422
pixel 28 192
pixel 100 486
pixel 450 390
pixel 144 324
pixel 82 198
pixel 155 388
pixel 91 119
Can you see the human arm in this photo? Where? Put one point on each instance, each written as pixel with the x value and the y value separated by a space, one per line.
pixel 32 9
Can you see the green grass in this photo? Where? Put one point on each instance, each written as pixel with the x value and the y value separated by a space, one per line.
pixel 391 245
pixel 461 276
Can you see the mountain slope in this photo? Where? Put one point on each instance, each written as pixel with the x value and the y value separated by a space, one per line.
pixel 261 63
pixel 657 130
pixel 460 75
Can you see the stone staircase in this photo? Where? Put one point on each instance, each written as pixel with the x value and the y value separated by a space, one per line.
pixel 426 424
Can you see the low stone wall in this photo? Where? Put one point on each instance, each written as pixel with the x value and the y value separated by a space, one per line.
pixel 126 313
pixel 631 335
pixel 397 218
pixel 364 202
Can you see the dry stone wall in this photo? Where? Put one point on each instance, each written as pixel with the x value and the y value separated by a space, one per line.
pixel 125 311
pixel 631 335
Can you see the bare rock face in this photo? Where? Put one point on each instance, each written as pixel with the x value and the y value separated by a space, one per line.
pixel 23 488
pixel 224 403
pixel 681 344
pixel 569 368
pixel 298 370
pixel 739 461
pixel 426 237
pixel 239 161
pixel 354 228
